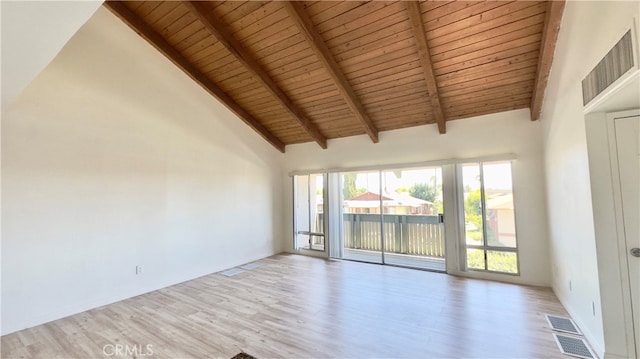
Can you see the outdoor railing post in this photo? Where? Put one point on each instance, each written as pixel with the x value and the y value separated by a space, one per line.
pixel 404 236
pixel 398 235
pixel 357 232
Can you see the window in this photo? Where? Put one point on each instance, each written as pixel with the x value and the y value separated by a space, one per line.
pixel 489 217
pixel 309 211
pixel 395 215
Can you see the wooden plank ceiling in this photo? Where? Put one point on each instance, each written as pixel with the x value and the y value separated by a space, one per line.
pixel 312 71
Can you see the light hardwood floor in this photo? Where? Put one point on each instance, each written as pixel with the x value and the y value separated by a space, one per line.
pixel 294 306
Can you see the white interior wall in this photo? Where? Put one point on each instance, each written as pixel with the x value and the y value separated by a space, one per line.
pixel 113 158
pixel 44 28
pixel 588 31
pixel 504 133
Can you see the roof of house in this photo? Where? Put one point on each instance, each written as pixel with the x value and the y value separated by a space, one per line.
pixel 370 196
pixel 371 199
pixel 501 202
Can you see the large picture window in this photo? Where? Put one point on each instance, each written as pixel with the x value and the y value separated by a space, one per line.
pixel 396 215
pixel 489 217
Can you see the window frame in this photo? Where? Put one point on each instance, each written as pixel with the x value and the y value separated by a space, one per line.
pixel 485 247
pixel 294 203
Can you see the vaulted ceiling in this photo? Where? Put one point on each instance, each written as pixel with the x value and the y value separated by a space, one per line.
pixel 311 71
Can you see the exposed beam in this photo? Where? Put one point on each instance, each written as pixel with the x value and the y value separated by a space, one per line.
pixel 545 59
pixel 302 20
pixel 224 36
pixel 415 18
pixel 144 30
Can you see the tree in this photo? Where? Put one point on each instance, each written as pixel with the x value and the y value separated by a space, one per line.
pixel 438 206
pixel 349 189
pixel 423 191
pixel 473 208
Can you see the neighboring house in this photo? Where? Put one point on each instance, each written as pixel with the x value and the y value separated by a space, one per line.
pixel 501 219
pixel 393 203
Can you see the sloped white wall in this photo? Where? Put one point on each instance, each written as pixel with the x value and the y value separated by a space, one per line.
pixel 504 133
pixel 589 29
pixel 113 158
pixel 33 32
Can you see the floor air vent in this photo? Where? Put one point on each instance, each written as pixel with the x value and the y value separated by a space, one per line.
pixel 232 272
pixel 576 347
pixel 250 266
pixel 562 324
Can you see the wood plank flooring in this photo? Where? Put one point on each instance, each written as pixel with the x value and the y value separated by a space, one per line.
pixel 293 306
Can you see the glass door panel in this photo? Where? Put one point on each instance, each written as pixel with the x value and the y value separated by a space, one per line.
pixel 499 215
pixel 412 207
pixel 309 212
pixel 361 217
pixel 301 213
pixel 472 196
pixel 316 211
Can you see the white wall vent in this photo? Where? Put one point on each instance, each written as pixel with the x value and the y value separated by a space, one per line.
pixel 614 65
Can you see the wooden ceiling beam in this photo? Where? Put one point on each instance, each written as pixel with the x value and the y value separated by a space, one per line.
pixel 156 40
pixel 550 32
pixel 420 35
pixel 224 36
pixel 305 25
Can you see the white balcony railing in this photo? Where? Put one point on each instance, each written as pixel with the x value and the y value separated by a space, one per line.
pixel 416 235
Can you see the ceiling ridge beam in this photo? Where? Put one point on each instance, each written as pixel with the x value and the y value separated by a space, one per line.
pixel 156 40
pixel 420 35
pixel 317 44
pixel 550 32
pixel 224 36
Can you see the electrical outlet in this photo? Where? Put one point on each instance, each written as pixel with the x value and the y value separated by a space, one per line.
pixel 593 307
pixel 570 286
pixel 138 270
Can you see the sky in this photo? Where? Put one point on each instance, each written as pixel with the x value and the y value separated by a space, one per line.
pixel 497 175
pixel 396 179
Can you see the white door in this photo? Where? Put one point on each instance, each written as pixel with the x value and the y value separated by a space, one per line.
pixel 628 148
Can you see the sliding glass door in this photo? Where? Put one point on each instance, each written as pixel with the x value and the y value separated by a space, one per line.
pixel 413 228
pixel 361 216
pixel 394 217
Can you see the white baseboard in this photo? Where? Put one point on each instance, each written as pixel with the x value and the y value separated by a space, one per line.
pixel 596 345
